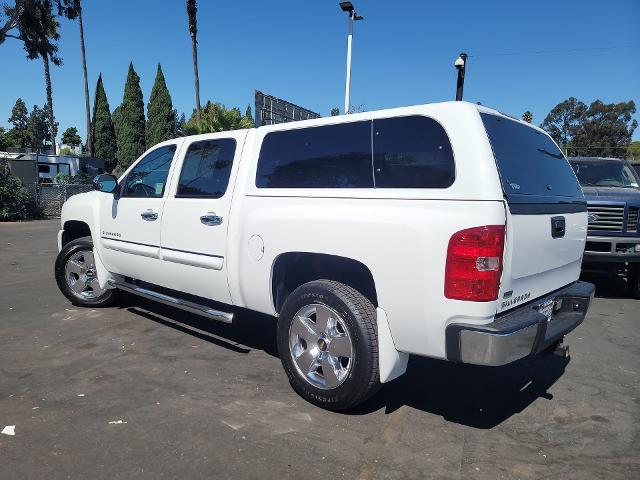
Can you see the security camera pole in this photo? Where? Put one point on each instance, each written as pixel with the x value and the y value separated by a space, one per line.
pixel 461 65
pixel 353 16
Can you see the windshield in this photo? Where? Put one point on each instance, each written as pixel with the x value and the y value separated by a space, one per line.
pixel 605 174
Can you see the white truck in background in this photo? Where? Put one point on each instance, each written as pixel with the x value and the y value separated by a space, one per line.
pixel 446 230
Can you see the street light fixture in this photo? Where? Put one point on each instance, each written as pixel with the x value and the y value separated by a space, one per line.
pixel 353 16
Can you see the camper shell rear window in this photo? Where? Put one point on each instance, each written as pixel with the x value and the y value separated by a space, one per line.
pixel 531 166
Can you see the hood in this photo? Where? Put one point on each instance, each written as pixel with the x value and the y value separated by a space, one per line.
pixel 612 194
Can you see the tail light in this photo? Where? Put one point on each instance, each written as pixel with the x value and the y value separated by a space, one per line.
pixel 474 264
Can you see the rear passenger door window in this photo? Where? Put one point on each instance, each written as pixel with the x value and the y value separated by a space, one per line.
pixel 330 156
pixel 206 169
pixel 411 152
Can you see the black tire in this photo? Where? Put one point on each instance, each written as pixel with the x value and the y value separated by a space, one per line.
pixel 71 249
pixel 359 316
pixel 633 280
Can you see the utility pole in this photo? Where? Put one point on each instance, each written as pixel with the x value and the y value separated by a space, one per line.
pixel 461 65
pixel 353 16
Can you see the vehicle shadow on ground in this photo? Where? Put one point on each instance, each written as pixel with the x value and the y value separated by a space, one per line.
pixel 480 397
pixel 249 330
pixel 471 395
pixel 607 285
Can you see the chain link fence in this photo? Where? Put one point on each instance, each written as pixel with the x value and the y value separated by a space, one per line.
pixel 51 196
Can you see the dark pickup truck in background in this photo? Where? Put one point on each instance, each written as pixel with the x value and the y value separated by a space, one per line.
pixel 611 187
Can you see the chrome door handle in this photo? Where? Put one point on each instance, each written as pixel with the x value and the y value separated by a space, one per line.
pixel 149 215
pixel 210 219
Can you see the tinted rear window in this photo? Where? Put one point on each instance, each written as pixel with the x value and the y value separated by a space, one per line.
pixel 398 152
pixel 206 168
pixel 528 161
pixel 411 152
pixel 332 156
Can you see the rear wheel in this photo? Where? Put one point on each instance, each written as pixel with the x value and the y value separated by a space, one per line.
pixel 327 340
pixel 77 277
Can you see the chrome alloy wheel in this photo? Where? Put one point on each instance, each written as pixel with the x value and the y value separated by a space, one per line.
pixel 320 346
pixel 82 278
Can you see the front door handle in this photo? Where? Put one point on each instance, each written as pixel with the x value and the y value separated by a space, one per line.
pixel 210 219
pixel 149 215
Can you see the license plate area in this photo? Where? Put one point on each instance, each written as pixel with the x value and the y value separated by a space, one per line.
pixel 546 309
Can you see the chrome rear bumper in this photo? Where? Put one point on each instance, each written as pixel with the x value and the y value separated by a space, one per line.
pixel 522 331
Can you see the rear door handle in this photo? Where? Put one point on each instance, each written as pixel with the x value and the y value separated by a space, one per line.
pixel 210 219
pixel 149 215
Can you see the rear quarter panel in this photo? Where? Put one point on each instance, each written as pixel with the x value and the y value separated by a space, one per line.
pixel 401 235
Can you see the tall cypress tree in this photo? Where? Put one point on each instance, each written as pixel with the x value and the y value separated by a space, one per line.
pixel 161 118
pixel 102 132
pixel 130 138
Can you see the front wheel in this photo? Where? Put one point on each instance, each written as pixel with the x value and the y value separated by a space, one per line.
pixel 77 277
pixel 328 344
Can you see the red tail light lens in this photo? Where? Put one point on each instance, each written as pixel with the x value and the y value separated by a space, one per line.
pixel 474 264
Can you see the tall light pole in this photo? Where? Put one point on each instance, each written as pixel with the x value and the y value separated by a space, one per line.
pixel 353 16
pixel 461 66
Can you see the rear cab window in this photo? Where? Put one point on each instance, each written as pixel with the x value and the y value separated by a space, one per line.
pixel 397 152
pixel 532 168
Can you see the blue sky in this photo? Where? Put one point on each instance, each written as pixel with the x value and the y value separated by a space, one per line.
pixel 403 54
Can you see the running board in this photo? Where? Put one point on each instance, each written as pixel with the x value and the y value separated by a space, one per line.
pixel 192 307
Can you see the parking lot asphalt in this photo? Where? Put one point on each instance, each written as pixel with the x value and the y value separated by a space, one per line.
pixel 146 391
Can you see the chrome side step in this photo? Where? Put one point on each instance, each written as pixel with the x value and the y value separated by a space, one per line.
pixel 192 307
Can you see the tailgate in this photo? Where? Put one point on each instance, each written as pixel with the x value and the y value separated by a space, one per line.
pixel 546 212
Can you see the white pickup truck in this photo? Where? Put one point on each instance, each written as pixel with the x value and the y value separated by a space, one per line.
pixel 446 230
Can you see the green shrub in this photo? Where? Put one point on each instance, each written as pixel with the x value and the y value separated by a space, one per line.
pixel 16 203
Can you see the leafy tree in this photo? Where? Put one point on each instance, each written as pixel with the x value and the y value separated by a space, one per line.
pixel 335 111
pixel 22 10
pixel 130 137
pixel 15 202
pixel 633 152
pixel 161 117
pixel 4 139
pixel 116 117
pixel 606 129
pixel 65 151
pixel 20 120
pixel 602 129
pixel 217 118
pixel 564 121
pixel 38 29
pixel 527 116
pixel 192 10
pixel 102 130
pixel 249 115
pixel 70 137
pixel 38 128
pixel 181 125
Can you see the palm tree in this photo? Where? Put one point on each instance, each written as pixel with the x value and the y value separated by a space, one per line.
pixel 39 33
pixel 87 106
pixel 217 118
pixel 192 9
pixel 527 116
pixel 72 9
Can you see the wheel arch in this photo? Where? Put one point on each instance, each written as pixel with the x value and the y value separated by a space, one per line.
pixel 292 269
pixel 74 229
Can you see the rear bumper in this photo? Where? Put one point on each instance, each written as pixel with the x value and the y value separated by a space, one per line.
pixel 520 332
pixel 612 249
